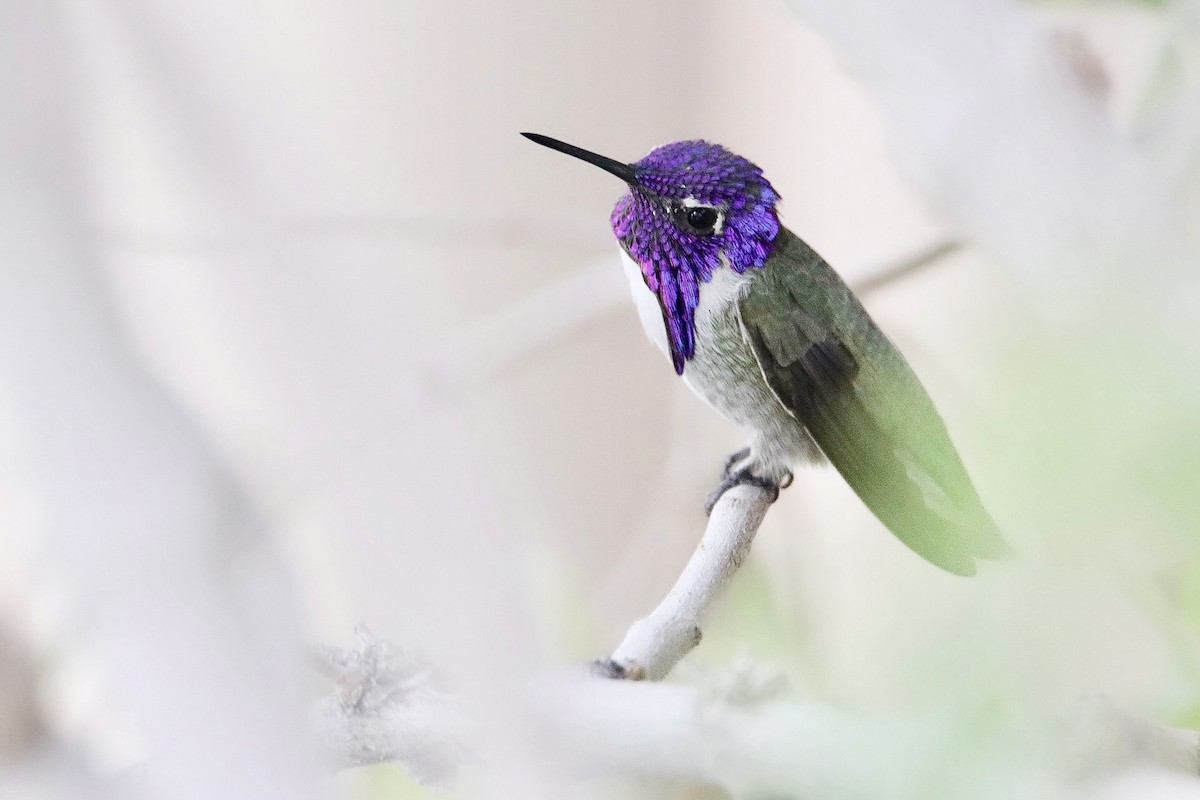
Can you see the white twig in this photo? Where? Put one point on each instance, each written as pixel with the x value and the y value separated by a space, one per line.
pixel 657 642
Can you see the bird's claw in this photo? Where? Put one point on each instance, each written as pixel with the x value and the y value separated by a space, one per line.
pixel 741 477
pixel 732 461
pixel 614 670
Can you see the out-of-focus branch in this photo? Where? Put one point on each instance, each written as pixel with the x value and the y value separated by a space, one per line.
pixel 656 643
pixel 386 709
pixel 740 731
pixel 507 336
pixel 22 726
pixel 1015 150
pixel 906 268
pixel 1103 736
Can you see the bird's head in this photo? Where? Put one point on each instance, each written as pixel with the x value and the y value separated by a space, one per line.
pixel 692 208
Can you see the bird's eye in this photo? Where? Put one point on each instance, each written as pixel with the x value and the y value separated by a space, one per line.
pixel 700 219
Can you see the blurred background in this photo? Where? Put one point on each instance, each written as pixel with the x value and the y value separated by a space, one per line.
pixel 296 332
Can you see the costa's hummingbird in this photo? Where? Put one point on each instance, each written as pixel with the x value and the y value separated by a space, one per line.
pixel 761 328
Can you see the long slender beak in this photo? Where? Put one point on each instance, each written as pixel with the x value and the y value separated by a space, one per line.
pixel 623 171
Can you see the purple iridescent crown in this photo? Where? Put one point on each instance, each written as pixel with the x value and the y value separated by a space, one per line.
pixel 675 257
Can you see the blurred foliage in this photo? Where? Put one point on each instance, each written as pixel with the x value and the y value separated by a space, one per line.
pixel 389 781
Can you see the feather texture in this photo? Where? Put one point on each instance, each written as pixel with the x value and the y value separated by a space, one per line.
pixel 847 384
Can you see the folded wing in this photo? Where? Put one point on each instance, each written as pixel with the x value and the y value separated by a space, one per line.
pixel 850 387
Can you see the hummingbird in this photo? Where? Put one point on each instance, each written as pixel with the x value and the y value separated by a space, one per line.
pixel 764 331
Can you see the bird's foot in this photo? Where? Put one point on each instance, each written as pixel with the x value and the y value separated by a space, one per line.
pixel 614 670
pixel 734 460
pixel 744 476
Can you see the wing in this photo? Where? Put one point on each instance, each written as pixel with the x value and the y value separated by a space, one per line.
pixel 836 372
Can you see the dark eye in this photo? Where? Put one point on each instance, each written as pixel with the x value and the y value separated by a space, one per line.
pixel 701 219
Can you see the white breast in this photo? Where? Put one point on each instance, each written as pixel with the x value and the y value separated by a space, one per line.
pixel 647 304
pixel 715 297
pixel 724 371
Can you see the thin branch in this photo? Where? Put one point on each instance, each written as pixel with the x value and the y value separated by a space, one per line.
pixel 656 643
pixel 906 268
